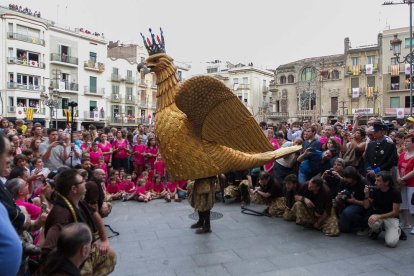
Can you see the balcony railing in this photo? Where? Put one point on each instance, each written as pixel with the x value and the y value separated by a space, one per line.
pixel 304 113
pixel 115 97
pixel 130 99
pixel 94 92
pixel 143 104
pixel 63 58
pixel 123 120
pixel 277 115
pixel 26 38
pixel 115 77
pixel 361 92
pixel 94 66
pixel 69 86
pixel 354 70
pixel 13 85
pixel 24 62
pixel 395 69
pixel 241 86
pixel 129 79
pixel 90 115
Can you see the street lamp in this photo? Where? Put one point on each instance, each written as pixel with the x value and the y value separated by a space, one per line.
pixel 52 101
pixel 396 47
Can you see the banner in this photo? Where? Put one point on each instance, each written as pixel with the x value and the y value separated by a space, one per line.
pixel 29 113
pixel 96 115
pixel 369 69
pixel 362 111
pixel 61 85
pixel 400 113
pixel 33 63
pixel 356 70
pixel 67 114
pixel 355 92
pixel 395 70
pixel 20 114
pixel 407 69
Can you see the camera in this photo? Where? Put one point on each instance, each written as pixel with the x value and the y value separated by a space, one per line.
pixel 345 194
pixel 330 172
pixel 371 188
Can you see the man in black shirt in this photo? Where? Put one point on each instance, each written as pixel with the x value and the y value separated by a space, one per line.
pixel 290 190
pixel 351 200
pixel 385 202
pixel 270 193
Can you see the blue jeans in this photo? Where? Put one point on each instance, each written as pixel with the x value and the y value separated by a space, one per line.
pixel 351 217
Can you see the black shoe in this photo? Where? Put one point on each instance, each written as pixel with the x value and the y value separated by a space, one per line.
pixel 203 230
pixel 196 225
pixel 266 211
pixel 403 236
pixel 374 235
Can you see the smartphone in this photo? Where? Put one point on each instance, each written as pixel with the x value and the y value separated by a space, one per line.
pixel 59 142
pixel 44 207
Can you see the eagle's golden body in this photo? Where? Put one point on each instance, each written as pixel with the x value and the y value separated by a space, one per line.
pixel 202 127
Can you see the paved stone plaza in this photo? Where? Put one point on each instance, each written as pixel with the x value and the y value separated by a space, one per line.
pixel 155 239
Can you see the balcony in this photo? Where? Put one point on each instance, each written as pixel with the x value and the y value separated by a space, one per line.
pixel 142 83
pixel 304 113
pixel 130 99
pixel 65 86
pixel 374 68
pixel 354 70
pixel 62 58
pixel 115 97
pixel 124 120
pixel 130 80
pixel 94 115
pixel 13 85
pixel 94 66
pixel 143 104
pixel 277 115
pixel 26 38
pixel 242 86
pixel 94 92
pixel 115 77
pixel 31 63
pixel 395 69
pixel 372 92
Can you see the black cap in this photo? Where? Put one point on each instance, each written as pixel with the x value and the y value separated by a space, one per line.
pixel 380 127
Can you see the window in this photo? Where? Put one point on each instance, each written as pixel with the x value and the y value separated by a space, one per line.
pixel 129 74
pixel 291 79
pixel 371 59
pixel 92 56
pixel 28 31
pixel 116 111
pixel 212 70
pixel 115 71
pixel 10 27
pixel 180 75
pixel 407 43
pixel 335 74
pixel 282 79
pixel 130 111
pixel 394 61
pixel 354 82
pixel 235 81
pixel 92 84
pixel 129 93
pixel 371 81
pixel 245 80
pixel 65 102
pixel 307 100
pixel 407 101
pixel 32 82
pixel 355 61
pixel 308 74
pixel 395 102
pixel 93 105
pixel 11 101
pixel 395 83
pixel 64 52
pixel 115 89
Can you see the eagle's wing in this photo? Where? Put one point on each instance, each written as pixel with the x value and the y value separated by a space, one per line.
pixel 217 115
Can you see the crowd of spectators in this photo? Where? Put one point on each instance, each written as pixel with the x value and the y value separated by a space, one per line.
pixel 57 185
pixel 349 177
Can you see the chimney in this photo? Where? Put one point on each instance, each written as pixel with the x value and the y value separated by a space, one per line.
pixel 346 45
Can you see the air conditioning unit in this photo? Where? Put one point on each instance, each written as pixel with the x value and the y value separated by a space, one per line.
pixel 11 60
pixel 11 109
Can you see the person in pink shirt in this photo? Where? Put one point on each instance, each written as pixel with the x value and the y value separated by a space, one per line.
pixel 171 189
pixel 20 192
pixel 126 187
pixel 102 165
pixel 138 151
pixel 113 189
pixel 151 152
pixel 159 167
pixel 106 148
pixel 94 154
pixel 141 193
pixel 182 188
pixel 87 142
pixel 120 149
pixel 158 188
pixel 270 137
pixel 329 132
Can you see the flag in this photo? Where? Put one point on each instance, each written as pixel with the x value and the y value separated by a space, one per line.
pixel 369 69
pixel 395 70
pixel 96 115
pixel 29 113
pixel 67 114
pixel 20 114
pixel 370 92
pixel 61 85
pixel 356 70
pixel 400 113
pixel 33 63
pixel 407 68
pixel 355 92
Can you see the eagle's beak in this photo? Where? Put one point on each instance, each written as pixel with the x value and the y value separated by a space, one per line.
pixel 142 66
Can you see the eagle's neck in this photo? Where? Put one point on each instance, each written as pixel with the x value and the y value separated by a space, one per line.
pixel 166 86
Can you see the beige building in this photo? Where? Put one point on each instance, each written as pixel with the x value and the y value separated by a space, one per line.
pixel 396 77
pixel 362 81
pixel 250 84
pixel 308 88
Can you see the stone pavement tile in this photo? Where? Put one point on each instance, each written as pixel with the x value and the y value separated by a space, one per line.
pixel 381 272
pixel 172 233
pixel 249 267
pixel 403 270
pixel 338 268
pixel 331 254
pixel 128 236
pixel 215 258
pixel 256 251
pixel 212 270
pixel 296 271
pixel 400 255
pixel 293 260
pixel 239 234
pixel 371 262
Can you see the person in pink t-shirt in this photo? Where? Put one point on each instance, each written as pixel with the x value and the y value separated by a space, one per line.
pixel 141 193
pixel 106 148
pixel 138 151
pixel 270 136
pixel 151 152
pixel 171 189
pixel 94 154
pixel 113 189
pixel 102 165
pixel 121 151
pixel 127 187
pixel 159 167
pixel 158 189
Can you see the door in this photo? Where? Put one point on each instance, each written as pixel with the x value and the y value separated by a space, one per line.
pixel 334 105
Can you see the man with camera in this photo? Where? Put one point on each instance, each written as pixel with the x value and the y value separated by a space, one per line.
pixel 350 200
pixel 385 201
pixel 53 151
pixel 333 176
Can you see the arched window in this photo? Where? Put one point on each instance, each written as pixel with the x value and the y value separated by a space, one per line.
pixel 282 79
pixel 291 79
pixel 335 74
pixel 308 74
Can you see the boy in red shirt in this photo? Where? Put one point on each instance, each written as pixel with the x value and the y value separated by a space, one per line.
pixel 127 187
pixel 113 189
pixel 172 192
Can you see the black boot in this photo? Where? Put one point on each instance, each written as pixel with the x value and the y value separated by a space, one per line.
pixel 200 221
pixel 245 195
pixel 206 227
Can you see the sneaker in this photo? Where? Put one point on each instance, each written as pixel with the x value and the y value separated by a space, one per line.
pixel 412 231
pixel 405 226
pixel 363 232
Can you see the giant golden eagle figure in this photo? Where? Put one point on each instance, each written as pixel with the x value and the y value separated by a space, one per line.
pixel 202 127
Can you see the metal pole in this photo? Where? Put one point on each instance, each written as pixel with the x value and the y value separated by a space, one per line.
pixel 411 60
pixel 51 117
